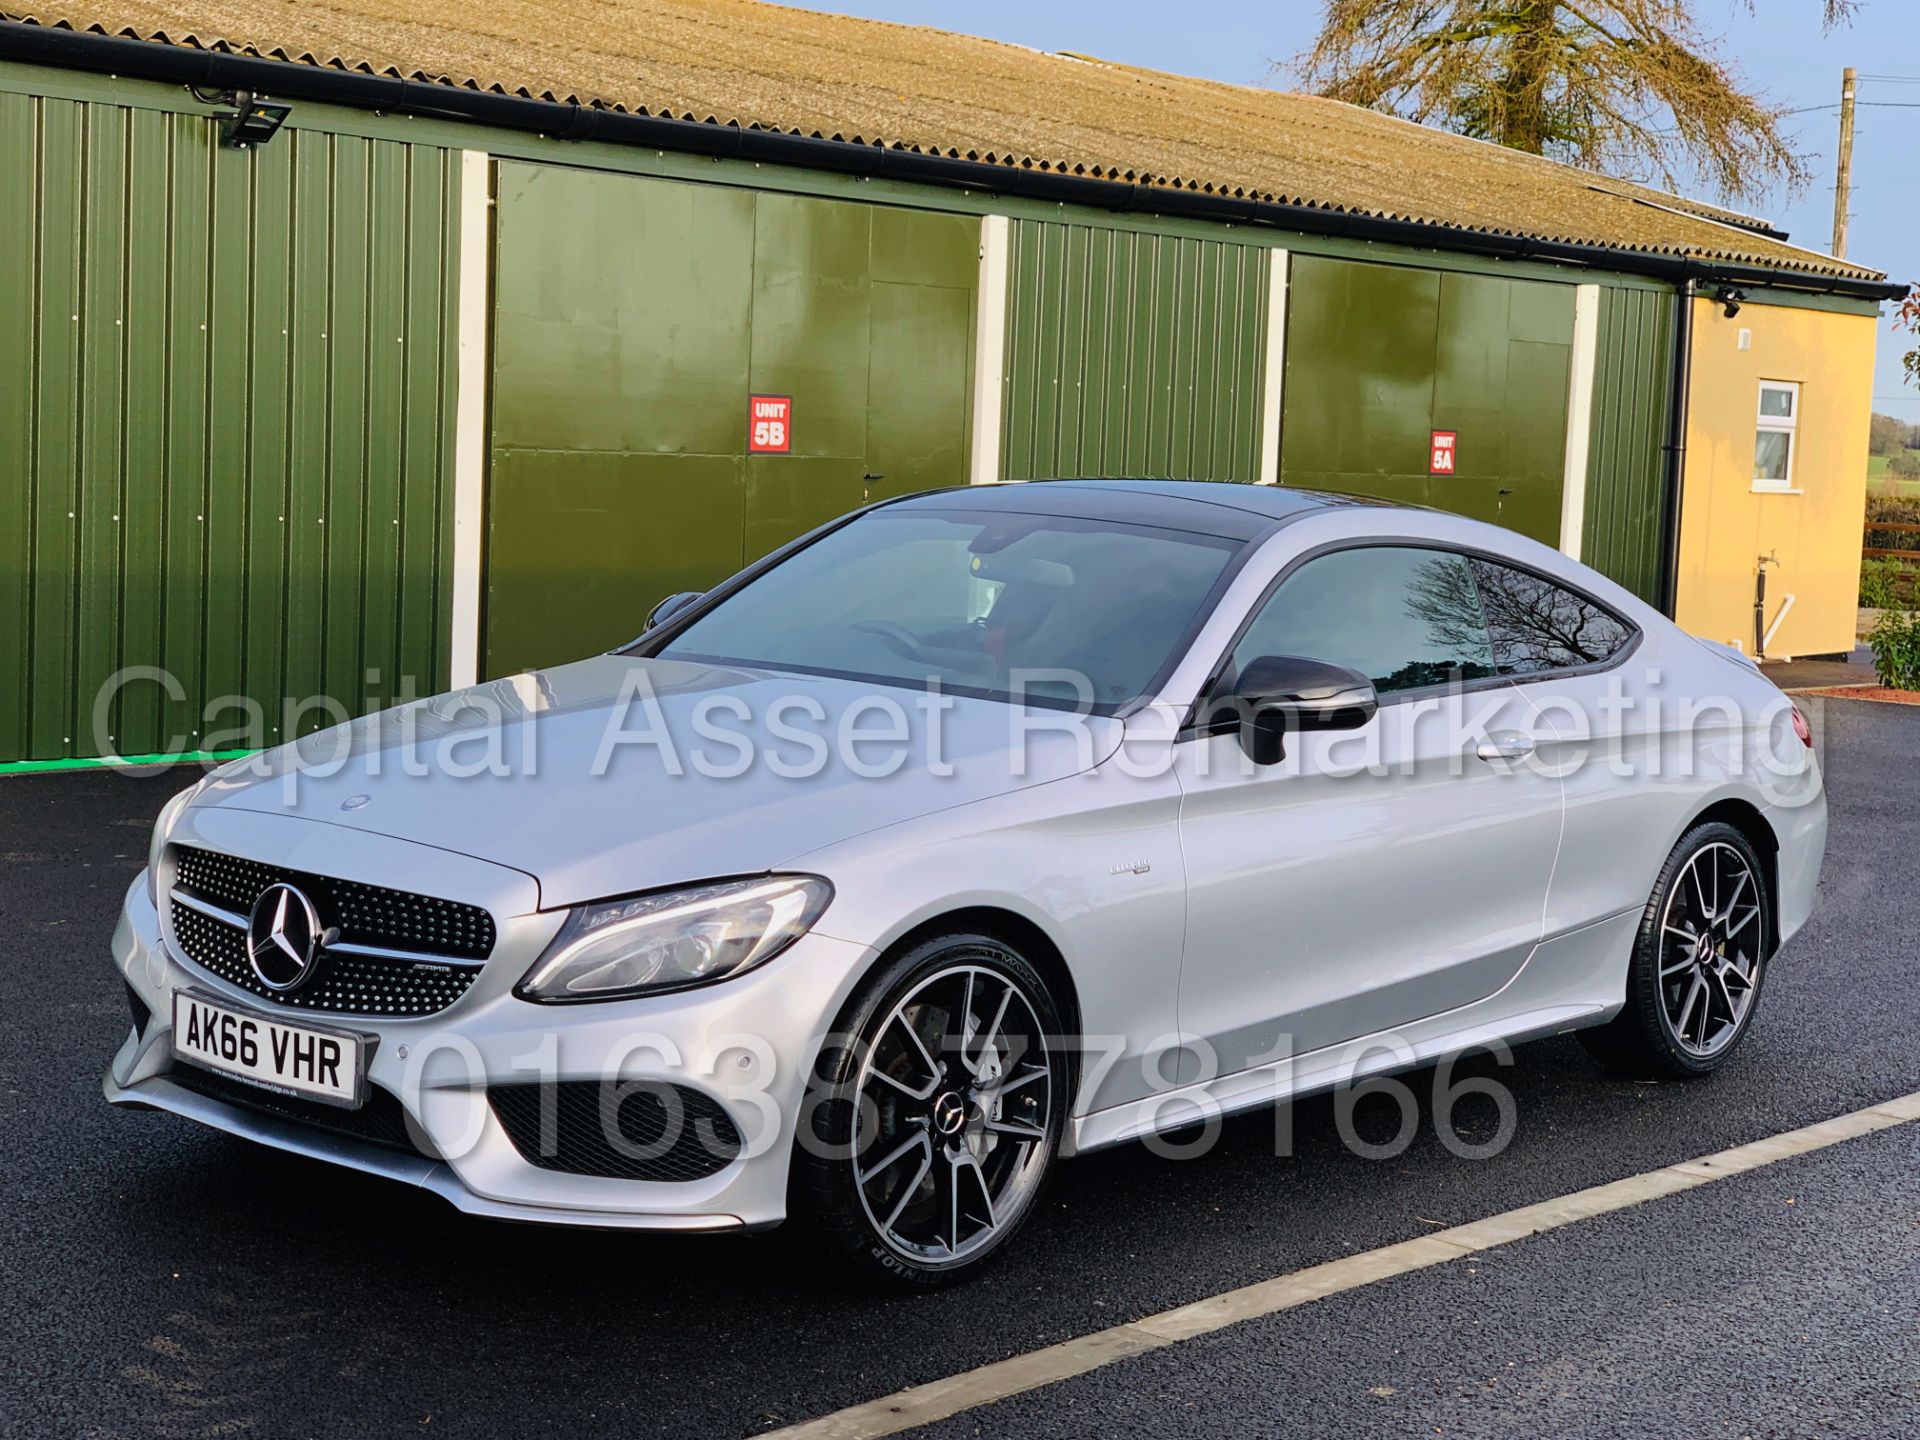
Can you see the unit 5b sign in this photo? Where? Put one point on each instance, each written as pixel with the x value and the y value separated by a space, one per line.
pixel 769 424
pixel 1440 458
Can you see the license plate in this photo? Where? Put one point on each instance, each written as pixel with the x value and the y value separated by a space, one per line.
pixel 295 1059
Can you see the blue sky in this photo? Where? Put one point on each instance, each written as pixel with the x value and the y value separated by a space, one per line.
pixel 1785 54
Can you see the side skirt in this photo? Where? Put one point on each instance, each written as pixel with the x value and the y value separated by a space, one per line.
pixel 1569 982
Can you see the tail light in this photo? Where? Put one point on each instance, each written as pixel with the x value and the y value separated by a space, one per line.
pixel 1801 728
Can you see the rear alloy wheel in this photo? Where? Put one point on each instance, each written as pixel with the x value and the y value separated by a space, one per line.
pixel 1698 961
pixel 938 1123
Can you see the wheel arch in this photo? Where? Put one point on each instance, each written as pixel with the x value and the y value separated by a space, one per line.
pixel 1024 934
pixel 1019 931
pixel 1751 822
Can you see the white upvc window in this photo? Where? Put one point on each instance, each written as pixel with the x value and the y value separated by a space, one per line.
pixel 1776 437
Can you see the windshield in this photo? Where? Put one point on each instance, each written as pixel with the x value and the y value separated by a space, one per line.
pixel 1035 609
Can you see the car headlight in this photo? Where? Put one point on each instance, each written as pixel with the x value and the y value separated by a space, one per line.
pixel 162 827
pixel 675 938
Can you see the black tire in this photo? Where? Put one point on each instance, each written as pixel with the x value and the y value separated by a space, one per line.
pixel 1646 1039
pixel 930 979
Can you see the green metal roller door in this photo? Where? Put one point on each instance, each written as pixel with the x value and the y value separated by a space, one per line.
pixel 1381 356
pixel 225 397
pixel 1132 355
pixel 634 318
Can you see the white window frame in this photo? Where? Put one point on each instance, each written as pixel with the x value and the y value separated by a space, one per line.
pixel 1788 425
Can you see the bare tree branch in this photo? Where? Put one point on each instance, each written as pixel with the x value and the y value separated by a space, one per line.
pixel 1629 87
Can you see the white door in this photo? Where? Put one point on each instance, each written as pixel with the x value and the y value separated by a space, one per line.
pixel 1377 876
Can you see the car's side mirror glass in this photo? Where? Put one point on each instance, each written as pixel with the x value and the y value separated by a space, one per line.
pixel 670 607
pixel 1278 693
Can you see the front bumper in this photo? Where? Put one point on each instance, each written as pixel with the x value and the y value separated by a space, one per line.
pixel 748 1043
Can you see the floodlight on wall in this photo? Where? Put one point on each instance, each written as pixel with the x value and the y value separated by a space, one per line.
pixel 254 119
pixel 1731 298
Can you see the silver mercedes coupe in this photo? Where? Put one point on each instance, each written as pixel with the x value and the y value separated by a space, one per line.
pixel 965 834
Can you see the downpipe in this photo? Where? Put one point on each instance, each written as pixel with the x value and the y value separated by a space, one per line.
pixel 1681 372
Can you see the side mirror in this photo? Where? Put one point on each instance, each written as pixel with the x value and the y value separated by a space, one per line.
pixel 670 607
pixel 1278 693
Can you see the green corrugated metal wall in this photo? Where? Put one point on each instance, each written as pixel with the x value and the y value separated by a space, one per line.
pixel 225 423
pixel 1625 463
pixel 1132 355
pixel 226 393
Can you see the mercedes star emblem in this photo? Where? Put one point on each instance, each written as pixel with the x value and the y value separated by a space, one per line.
pixel 283 935
pixel 949 1114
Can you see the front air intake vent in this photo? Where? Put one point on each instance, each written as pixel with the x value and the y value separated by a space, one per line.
pixel 622 1131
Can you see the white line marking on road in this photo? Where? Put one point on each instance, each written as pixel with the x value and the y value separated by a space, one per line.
pixel 941 1399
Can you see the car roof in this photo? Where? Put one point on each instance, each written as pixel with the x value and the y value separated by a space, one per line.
pixel 1222 508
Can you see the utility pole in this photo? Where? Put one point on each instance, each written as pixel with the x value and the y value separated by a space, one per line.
pixel 1843 178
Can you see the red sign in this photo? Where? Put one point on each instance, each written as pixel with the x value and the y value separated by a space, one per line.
pixel 1440 461
pixel 769 424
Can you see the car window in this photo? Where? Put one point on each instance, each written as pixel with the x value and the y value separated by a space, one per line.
pixel 1402 616
pixel 1536 625
pixel 1036 608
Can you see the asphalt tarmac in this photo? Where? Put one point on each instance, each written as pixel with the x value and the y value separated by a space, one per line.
pixel 163 1279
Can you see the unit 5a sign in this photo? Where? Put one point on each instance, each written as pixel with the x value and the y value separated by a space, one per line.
pixel 1440 459
pixel 769 424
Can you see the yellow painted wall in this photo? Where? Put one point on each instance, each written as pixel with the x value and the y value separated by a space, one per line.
pixel 1725 525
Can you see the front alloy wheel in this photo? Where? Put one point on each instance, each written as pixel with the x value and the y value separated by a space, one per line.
pixel 937 1123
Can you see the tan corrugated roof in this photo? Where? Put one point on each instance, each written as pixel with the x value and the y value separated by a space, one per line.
pixel 774 68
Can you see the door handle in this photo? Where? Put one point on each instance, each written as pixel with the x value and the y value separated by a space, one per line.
pixel 1505 745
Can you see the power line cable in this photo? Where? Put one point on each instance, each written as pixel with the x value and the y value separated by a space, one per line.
pixel 1861 104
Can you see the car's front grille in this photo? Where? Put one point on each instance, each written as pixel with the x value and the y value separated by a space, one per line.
pixel 395 953
pixel 622 1131
pixel 381 1121
pixel 366 914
